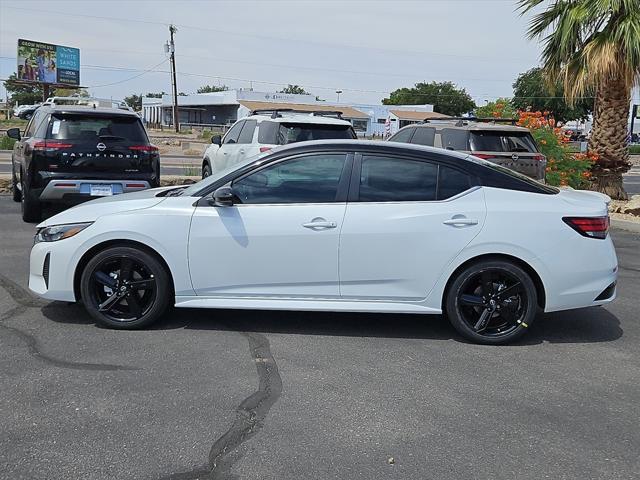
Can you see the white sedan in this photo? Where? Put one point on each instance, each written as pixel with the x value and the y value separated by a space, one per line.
pixel 337 226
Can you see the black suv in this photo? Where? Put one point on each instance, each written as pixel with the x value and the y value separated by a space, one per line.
pixel 71 154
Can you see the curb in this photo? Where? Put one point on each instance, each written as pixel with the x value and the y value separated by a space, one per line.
pixel 626 225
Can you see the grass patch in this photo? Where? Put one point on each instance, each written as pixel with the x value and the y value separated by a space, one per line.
pixel 7 143
pixel 634 149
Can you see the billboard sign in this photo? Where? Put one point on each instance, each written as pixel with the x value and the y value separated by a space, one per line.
pixel 47 63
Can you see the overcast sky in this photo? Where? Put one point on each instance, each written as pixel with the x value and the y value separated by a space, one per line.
pixel 365 48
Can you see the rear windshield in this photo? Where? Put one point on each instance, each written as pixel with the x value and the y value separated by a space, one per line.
pixel 301 132
pixel 491 141
pixel 94 128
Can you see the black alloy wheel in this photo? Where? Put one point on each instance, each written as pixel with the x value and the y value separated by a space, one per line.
pixel 125 287
pixel 492 302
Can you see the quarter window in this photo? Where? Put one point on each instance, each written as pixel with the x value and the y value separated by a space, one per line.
pixel 424 136
pixel 390 179
pixel 451 182
pixel 308 179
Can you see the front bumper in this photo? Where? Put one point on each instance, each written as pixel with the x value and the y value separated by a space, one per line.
pixel 50 273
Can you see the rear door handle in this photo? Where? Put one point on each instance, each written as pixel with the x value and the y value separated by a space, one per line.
pixel 319 224
pixel 461 221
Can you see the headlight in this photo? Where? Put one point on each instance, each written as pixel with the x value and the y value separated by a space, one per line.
pixel 59 232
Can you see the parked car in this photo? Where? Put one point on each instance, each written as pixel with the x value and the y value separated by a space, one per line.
pixel 507 145
pixel 25 111
pixel 337 226
pixel 71 154
pixel 264 130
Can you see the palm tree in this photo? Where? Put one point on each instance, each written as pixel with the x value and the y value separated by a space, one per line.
pixel 594 44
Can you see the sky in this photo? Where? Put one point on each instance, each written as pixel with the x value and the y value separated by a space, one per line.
pixel 365 48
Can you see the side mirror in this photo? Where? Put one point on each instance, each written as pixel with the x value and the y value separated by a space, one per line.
pixel 217 140
pixel 14 133
pixel 223 197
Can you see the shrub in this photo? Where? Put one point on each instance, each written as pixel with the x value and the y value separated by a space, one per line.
pixel 634 149
pixel 564 167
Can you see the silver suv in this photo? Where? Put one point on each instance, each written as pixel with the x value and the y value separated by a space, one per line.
pixel 490 139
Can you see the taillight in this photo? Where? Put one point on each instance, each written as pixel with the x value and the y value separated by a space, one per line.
pixel 135 185
pixel 539 157
pixel 50 146
pixel 265 149
pixel 144 148
pixel 483 156
pixel 592 227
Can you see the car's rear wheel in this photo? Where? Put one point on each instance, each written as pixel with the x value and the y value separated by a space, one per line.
pixel 492 302
pixel 206 170
pixel 30 204
pixel 125 288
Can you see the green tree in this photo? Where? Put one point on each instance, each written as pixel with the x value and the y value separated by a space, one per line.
pixel 212 88
pixel 533 92
pixel 594 44
pixel 296 89
pixel 134 101
pixel 22 93
pixel 501 108
pixel 445 97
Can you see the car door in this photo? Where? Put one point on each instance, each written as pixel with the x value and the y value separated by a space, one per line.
pixel 280 238
pixel 406 219
pixel 227 152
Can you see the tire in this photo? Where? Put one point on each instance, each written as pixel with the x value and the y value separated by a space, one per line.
pixel 206 170
pixel 15 191
pixel 30 205
pixel 109 280
pixel 480 312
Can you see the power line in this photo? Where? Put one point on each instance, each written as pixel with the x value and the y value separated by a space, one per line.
pixel 131 78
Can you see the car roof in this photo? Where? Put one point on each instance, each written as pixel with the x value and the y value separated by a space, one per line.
pixel 89 110
pixel 473 126
pixel 369 146
pixel 292 117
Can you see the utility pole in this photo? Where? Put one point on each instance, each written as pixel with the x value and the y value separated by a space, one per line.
pixel 172 52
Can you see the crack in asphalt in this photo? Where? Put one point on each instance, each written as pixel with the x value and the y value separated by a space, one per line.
pixel 250 416
pixel 26 301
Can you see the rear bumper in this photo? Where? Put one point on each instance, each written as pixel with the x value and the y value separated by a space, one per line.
pixel 81 190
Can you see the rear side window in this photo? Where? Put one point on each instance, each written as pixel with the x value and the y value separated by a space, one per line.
pixel 424 136
pixel 451 182
pixel 94 128
pixel 391 179
pixel 403 135
pixel 246 135
pixel 495 141
pixel 301 132
pixel 455 139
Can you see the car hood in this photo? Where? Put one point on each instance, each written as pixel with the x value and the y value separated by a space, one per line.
pixel 90 211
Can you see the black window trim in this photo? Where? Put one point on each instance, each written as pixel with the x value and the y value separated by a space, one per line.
pixel 354 186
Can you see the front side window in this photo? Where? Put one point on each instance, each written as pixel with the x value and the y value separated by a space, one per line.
pixel 233 134
pixel 246 135
pixel 392 179
pixel 308 179
pixel 403 135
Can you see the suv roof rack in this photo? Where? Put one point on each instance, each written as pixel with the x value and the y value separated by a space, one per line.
pixel 461 121
pixel 90 102
pixel 277 112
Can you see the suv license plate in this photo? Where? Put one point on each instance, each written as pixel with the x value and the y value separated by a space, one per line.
pixel 101 190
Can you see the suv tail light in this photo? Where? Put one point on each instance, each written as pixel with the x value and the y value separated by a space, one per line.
pixel 144 148
pixel 50 146
pixel 265 149
pixel 483 156
pixel 592 227
pixel 540 158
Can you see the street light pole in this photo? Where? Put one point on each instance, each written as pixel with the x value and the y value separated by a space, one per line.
pixel 174 86
pixel 338 92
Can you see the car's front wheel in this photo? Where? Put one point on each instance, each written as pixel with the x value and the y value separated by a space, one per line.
pixel 492 302
pixel 125 288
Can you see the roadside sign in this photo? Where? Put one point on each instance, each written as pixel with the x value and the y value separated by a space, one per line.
pixel 47 63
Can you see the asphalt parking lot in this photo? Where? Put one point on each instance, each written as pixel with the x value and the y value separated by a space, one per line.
pixel 285 395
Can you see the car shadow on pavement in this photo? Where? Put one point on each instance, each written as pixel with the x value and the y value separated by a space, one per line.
pixel 588 325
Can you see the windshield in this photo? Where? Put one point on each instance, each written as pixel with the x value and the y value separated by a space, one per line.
pixel 301 132
pixel 492 141
pixel 96 128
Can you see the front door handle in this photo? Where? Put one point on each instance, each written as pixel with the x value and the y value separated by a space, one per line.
pixel 319 223
pixel 461 221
